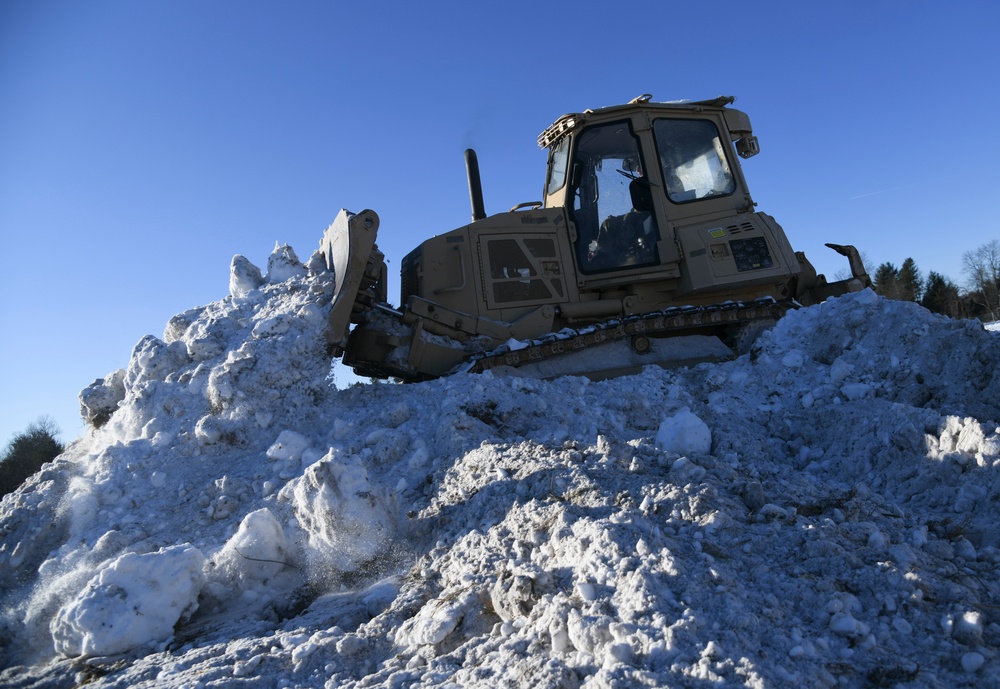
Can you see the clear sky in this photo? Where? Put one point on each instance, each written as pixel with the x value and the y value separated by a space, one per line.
pixel 143 144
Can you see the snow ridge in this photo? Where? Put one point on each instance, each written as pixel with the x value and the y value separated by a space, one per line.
pixel 820 512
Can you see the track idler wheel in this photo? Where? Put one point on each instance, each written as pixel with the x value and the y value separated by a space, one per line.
pixel 748 333
pixel 640 344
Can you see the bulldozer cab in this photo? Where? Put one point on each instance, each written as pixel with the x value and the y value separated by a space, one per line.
pixel 609 200
pixel 628 175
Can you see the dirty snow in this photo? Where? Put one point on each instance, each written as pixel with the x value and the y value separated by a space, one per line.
pixel 821 512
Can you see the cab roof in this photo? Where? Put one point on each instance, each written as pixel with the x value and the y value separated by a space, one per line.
pixel 558 129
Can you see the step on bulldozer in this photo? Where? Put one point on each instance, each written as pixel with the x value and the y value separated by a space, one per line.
pixel 646 249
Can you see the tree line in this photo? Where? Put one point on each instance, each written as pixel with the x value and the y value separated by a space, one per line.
pixel 979 297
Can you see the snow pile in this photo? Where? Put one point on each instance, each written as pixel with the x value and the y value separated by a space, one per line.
pixel 820 512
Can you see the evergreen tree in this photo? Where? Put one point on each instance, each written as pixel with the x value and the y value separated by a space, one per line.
pixel 886 281
pixel 909 282
pixel 941 296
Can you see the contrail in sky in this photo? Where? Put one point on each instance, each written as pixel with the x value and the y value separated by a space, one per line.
pixel 883 191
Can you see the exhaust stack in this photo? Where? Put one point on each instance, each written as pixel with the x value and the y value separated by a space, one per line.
pixel 475 185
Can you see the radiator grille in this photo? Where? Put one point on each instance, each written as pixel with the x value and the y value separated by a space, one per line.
pixel 408 275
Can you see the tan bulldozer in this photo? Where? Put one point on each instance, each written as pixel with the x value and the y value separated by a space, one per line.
pixel 645 249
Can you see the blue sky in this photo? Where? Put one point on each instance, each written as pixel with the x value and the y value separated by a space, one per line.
pixel 143 144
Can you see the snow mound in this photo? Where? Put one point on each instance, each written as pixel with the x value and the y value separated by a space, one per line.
pixel 820 512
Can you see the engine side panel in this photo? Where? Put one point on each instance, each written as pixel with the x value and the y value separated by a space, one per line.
pixel 738 253
pixel 499 268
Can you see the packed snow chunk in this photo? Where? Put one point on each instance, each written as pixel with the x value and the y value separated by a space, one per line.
pixel 283 264
pixel 134 601
pixel 244 277
pixel 154 359
pixel 436 620
pixel 272 327
pixel 793 359
pixel 208 430
pixel 312 314
pixel 971 662
pixel 966 436
pixel 316 263
pixel 288 447
pixel 100 399
pixel 686 471
pixel 967 628
pixel 855 391
pixel 256 553
pixel 177 327
pixel 844 624
pixel 840 370
pixel 346 517
pixel 866 297
pixel 684 433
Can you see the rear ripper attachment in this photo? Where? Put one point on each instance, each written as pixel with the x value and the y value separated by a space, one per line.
pixel 645 249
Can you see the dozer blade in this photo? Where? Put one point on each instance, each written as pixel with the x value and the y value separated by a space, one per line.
pixel 346 246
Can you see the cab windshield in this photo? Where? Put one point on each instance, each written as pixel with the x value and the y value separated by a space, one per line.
pixel 693 160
